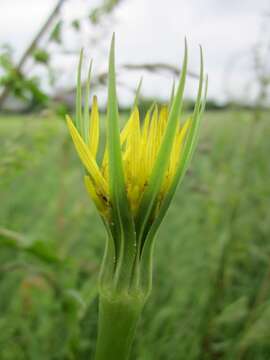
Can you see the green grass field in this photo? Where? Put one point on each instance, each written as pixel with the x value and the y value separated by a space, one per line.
pixel 211 290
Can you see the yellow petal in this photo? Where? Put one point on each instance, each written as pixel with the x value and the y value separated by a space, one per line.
pixel 163 118
pixel 86 157
pixel 145 127
pixel 126 129
pixel 134 143
pixel 185 128
pixel 151 148
pixel 177 147
pixel 104 165
pixel 144 145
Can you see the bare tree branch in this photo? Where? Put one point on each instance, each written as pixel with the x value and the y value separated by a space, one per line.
pixel 29 50
pixel 153 67
pixel 101 79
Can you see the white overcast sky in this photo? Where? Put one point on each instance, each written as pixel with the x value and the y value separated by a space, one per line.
pixel 154 30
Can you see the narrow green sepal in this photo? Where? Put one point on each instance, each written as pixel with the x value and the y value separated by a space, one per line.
pixel 172 95
pixel 185 158
pixel 86 106
pixel 150 196
pixel 137 94
pixel 122 225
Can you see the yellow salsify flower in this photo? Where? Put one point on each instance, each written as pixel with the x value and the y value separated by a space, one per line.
pixel 132 187
pixel 139 144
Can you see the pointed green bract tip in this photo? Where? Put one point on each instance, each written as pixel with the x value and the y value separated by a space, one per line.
pixel 86 104
pixel 116 175
pixel 78 119
pixel 112 44
pixel 137 93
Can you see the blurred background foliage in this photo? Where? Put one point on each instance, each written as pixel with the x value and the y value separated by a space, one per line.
pixel 211 289
pixel 212 265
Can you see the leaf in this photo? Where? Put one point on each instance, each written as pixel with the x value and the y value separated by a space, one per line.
pixel 258 331
pixel 233 312
pixel 39 248
pixel 55 35
pixel 76 24
pixel 43 251
pixel 41 56
pixel 94 16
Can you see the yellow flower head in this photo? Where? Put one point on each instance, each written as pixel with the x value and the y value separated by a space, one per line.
pixel 134 182
pixel 140 143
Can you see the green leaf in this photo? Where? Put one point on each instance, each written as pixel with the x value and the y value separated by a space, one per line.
pixel 42 250
pixel 56 33
pixel 41 56
pixel 257 333
pixel 76 24
pixel 94 16
pixel 233 313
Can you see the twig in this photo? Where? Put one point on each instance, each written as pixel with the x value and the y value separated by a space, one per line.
pixel 32 46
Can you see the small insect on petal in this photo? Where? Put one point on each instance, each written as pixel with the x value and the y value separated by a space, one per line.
pixel 98 200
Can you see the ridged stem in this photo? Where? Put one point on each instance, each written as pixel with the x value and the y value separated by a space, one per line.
pixel 118 318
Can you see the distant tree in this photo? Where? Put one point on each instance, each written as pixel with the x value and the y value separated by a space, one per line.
pixel 23 79
pixel 19 82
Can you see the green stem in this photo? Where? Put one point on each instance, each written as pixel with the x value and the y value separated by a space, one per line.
pixel 118 317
